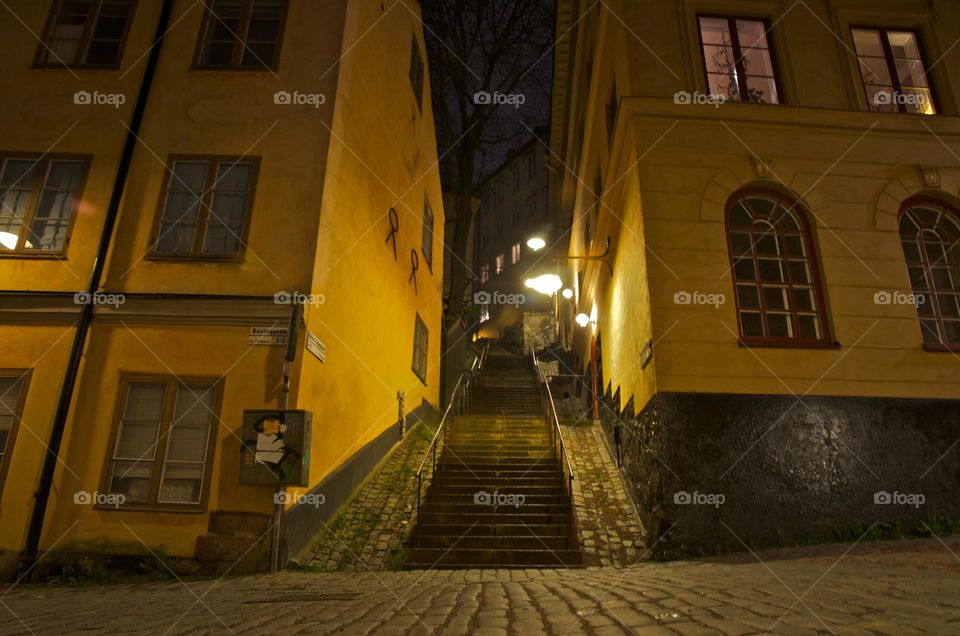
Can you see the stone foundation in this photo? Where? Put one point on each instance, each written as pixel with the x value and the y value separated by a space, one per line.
pixel 716 472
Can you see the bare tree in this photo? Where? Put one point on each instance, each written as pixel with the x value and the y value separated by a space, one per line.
pixel 490 68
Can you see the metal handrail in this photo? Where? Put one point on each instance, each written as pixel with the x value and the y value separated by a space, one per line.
pixel 459 397
pixel 564 456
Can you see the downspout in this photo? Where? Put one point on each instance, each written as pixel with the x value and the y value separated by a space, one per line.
pixel 28 558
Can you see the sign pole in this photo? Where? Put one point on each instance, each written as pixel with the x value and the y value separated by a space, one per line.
pixel 278 499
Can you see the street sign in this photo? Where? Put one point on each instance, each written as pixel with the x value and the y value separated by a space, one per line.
pixel 268 336
pixel 316 347
pixel 276 448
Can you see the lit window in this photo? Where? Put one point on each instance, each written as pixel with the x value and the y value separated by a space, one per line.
pixel 206 207
pixel 775 270
pixel 86 33
pixel 421 338
pixel 163 441
pixel 484 312
pixel 499 263
pixel 485 273
pixel 39 199
pixel 893 72
pixel 427 240
pixel 738 59
pixel 242 34
pixel 515 254
pixel 930 234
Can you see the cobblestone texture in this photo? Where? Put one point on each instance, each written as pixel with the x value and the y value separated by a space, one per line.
pixel 368 532
pixel 610 529
pixel 901 588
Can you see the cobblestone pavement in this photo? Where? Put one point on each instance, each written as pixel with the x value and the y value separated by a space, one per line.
pixel 901 588
pixel 368 533
pixel 610 529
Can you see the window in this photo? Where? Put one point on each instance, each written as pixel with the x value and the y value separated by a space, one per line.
pixel 612 107
pixel 532 206
pixel 515 254
pixel 13 391
pixel 85 33
pixel 416 73
pixel 205 207
pixel 894 75
pixel 420 341
pixel 930 234
pixel 39 198
pixel 485 273
pixel 516 216
pixel 163 441
pixel 739 59
pixel 515 179
pixel 241 34
pixel 426 244
pixel 776 275
pixel 531 166
pixel 499 228
pixel 484 312
pixel 499 262
pixel 499 191
pixel 484 240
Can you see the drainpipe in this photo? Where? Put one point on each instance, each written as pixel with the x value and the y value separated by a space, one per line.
pixel 28 558
pixel 293 335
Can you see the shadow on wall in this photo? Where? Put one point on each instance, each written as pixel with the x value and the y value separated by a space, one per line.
pixel 718 472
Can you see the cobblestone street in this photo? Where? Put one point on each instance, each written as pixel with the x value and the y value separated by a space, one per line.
pixel 900 588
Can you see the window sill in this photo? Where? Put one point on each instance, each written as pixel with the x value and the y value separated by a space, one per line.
pixel 786 344
pixel 55 66
pixel 194 259
pixel 239 69
pixel 39 256
pixel 190 510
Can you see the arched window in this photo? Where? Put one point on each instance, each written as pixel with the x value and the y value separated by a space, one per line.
pixel 930 234
pixel 776 277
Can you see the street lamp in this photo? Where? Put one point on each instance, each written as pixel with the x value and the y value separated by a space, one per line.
pixel 567 293
pixel 547 284
pixel 536 243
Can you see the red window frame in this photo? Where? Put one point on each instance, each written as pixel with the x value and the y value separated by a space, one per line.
pixel 739 55
pixel 931 310
pixel 788 285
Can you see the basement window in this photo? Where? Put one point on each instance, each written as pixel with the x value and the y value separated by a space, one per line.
pixel 85 33
pixel 13 391
pixel 163 441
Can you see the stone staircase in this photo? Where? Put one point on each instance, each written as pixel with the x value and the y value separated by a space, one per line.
pixel 498 496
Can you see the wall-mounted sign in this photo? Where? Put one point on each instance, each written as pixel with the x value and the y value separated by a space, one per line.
pixel 268 336
pixel 316 347
pixel 276 448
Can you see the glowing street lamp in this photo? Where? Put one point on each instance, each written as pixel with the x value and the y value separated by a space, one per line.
pixel 536 243
pixel 547 284
pixel 567 293
pixel 583 320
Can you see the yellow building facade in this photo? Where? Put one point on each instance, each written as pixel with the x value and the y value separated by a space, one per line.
pixel 277 147
pixel 775 182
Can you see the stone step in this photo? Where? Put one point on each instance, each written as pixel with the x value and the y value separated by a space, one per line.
pixel 518 517
pixel 459 542
pixel 453 468
pixel 418 558
pixel 488 530
pixel 492 481
pixel 470 498
pixel 516 486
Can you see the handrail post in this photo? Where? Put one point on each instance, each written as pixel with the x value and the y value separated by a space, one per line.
pixel 419 529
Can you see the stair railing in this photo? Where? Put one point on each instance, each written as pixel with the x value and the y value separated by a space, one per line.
pixel 559 445
pixel 459 400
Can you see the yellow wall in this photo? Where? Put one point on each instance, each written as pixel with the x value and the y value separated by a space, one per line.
pixel 671 168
